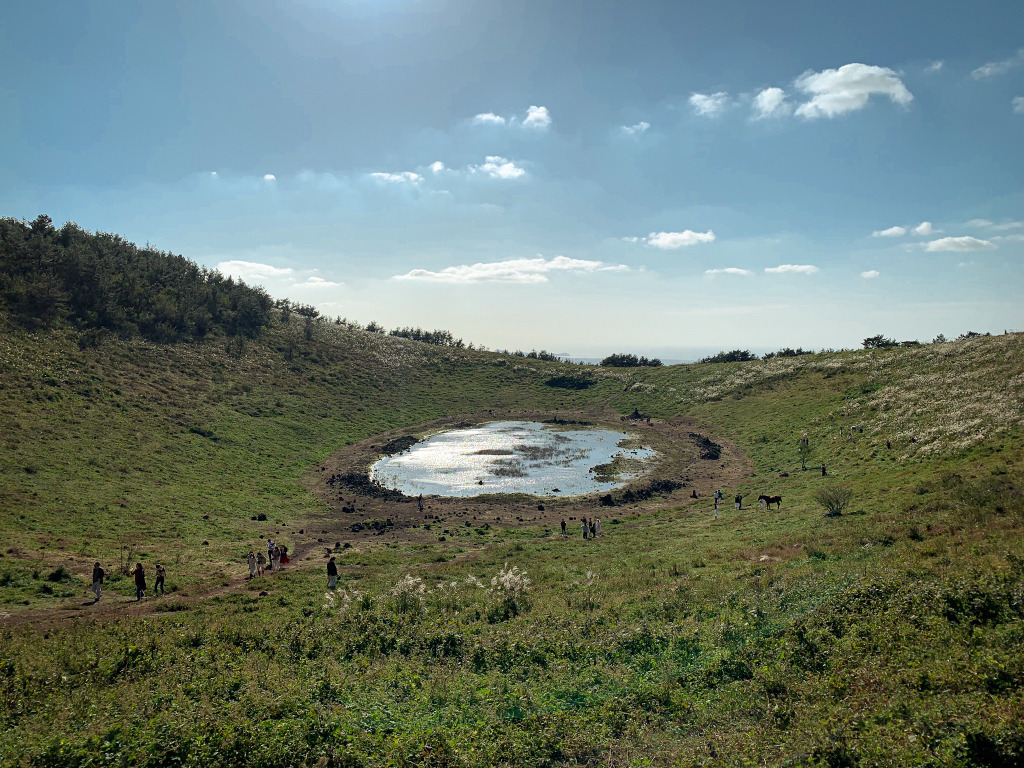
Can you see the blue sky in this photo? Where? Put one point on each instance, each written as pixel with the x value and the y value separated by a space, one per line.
pixel 583 177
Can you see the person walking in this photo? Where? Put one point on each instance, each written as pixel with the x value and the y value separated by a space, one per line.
pixel 586 529
pixel 593 529
pixel 597 526
pixel 161 574
pixel 739 501
pixel 97 581
pixel 261 563
pixel 563 526
pixel 332 574
pixel 251 560
pixel 140 581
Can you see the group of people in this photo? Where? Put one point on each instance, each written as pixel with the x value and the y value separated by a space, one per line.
pixel 591 529
pixel 275 558
pixel 138 572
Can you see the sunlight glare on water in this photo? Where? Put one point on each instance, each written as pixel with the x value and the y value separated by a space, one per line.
pixel 506 457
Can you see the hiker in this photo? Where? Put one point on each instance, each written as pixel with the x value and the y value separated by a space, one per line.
pixel 593 529
pixel 140 581
pixel 693 494
pixel 251 560
pixel 586 529
pixel 97 581
pixel 275 558
pixel 161 574
pixel 739 501
pixel 823 472
pixel 261 562
pixel 284 555
pixel 332 574
pixel 718 496
pixel 597 526
pixel 419 502
pixel 563 526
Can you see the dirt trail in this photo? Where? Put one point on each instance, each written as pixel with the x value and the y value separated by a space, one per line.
pixel 363 518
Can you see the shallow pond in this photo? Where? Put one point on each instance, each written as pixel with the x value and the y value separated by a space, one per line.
pixel 514 457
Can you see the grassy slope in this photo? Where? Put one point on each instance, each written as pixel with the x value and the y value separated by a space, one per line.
pixel 892 635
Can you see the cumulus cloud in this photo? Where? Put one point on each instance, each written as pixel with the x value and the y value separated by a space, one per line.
pixel 402 177
pixel 871 274
pixel 269 177
pixel 670 241
pixel 436 167
pixel 964 243
pixel 838 91
pixel 800 269
pixel 771 102
pixel 317 282
pixel 251 271
pixel 1018 104
pixel 488 118
pixel 498 168
pixel 996 68
pixel 890 232
pixel 534 270
pixel 924 229
pixel 538 118
pixel 635 130
pixel 935 66
pixel 728 271
pixel 709 105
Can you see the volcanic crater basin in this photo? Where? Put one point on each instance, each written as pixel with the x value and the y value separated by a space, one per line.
pixel 515 457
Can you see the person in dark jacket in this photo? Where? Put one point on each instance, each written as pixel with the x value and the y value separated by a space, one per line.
pixel 161 574
pixel 97 581
pixel 332 574
pixel 140 581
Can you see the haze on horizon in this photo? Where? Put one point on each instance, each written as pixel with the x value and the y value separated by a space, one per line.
pixel 585 178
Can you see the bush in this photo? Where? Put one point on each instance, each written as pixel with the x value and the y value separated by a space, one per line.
pixel 833 498
pixel 735 356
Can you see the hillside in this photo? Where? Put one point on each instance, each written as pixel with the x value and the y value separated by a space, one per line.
pixel 891 634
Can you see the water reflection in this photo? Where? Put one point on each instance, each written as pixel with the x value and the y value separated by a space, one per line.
pixel 513 457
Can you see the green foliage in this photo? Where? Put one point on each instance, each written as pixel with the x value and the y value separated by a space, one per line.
pixel 879 342
pixel 735 356
pixel 626 360
pixel 439 338
pixel 101 282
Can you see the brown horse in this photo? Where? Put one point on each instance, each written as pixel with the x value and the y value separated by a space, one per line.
pixel 769 500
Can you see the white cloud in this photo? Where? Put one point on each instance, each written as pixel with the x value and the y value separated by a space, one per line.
pixel 317 282
pixel 709 105
pixel 728 271
pixel 924 229
pixel 251 270
pixel 1009 238
pixel 635 130
pixel 538 118
pixel 213 174
pixel 632 239
pixel 513 271
pixel 964 243
pixel 436 167
pixel 1008 225
pixel 979 223
pixel 1018 105
pixel 771 102
pixel 995 68
pixel 890 232
pixel 402 177
pixel 871 274
pixel 800 269
pixel 670 241
pixel 847 89
pixel 488 118
pixel 269 177
pixel 498 168
pixel 935 66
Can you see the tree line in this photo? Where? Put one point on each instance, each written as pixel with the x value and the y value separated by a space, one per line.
pixel 99 281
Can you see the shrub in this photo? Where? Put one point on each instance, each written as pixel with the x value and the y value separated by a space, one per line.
pixel 508 594
pixel 833 498
pixel 408 595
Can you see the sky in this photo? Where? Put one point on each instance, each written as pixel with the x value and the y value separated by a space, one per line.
pixel 659 178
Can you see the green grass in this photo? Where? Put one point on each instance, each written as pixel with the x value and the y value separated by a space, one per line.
pixel 893 635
